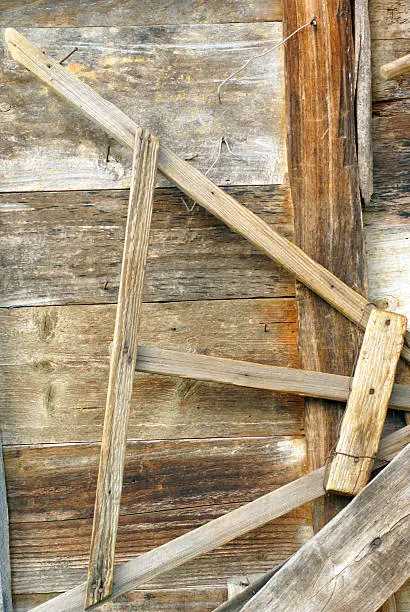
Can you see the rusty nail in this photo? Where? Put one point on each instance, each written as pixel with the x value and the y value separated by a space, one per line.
pixel 69 55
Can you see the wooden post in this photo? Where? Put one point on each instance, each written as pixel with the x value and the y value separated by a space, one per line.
pixel 323 173
pixel 367 404
pixel 122 366
pixel 6 604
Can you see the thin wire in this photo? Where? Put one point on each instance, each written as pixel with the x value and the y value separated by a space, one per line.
pixel 251 59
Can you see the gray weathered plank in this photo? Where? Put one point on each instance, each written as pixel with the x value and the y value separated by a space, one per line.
pixel 6 603
pixel 352 563
pixel 166 79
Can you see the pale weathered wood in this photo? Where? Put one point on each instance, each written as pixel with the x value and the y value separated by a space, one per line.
pixel 357 560
pixel 236 602
pixel 396 68
pixel 256 375
pixel 363 101
pixel 194 184
pixel 165 78
pixel 366 409
pixel 122 365
pixel 203 539
pixel 384 51
pixel 6 603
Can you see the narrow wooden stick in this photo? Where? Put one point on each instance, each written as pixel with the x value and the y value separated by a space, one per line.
pixel 6 604
pixel 255 375
pixel 357 560
pixel 197 186
pixel 366 409
pixel 396 67
pixel 202 540
pixel 122 367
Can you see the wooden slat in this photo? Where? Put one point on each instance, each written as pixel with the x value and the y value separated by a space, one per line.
pixel 353 563
pixel 366 409
pixel 248 374
pixel 114 13
pixel 202 540
pixel 194 184
pixel 65 248
pixel 166 79
pixel 122 366
pixel 6 603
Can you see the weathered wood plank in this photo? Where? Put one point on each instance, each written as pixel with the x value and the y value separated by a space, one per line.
pixel 115 13
pixel 166 79
pixel 195 184
pixel 203 539
pixel 396 67
pixel 65 247
pixel 384 51
pixel 323 172
pixel 6 603
pixel 122 366
pixel 54 371
pixel 388 20
pixel 353 563
pixel 366 408
pixel 249 374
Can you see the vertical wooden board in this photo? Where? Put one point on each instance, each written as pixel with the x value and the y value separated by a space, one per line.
pixel 166 79
pixel 6 604
pixel 327 208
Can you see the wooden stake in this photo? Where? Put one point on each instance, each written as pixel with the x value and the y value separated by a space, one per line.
pixel 122 366
pixel 396 68
pixel 6 604
pixel 197 186
pixel 255 375
pixel 202 540
pixel 367 404
pixel 357 560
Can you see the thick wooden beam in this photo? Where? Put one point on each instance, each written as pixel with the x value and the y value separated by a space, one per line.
pixel 6 604
pixel 255 375
pixel 197 186
pixel 122 366
pixel 366 409
pixel 353 563
pixel 323 174
pixel 217 532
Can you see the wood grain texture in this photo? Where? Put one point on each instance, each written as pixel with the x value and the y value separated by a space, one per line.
pixel 323 173
pixel 203 539
pixel 115 13
pixel 122 366
pixel 236 602
pixel 384 51
pixel 396 67
pixel 256 375
pixel 164 78
pixel 366 408
pixel 54 371
pixel 387 20
pixel 6 602
pixel 353 563
pixel 65 248
pixel 194 184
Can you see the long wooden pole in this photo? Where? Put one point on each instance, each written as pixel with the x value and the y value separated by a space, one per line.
pixel 202 540
pixel 197 186
pixel 122 367
pixel 256 375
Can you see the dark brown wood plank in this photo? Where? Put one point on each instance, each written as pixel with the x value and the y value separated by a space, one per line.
pixel 327 209
pixel 115 13
pixel 65 247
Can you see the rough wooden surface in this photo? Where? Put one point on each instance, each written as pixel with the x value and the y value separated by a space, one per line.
pixel 6 603
pixel 366 408
pixel 396 67
pixel 65 248
pixel 323 172
pixel 122 367
pixel 353 563
pixel 114 13
pixel 165 78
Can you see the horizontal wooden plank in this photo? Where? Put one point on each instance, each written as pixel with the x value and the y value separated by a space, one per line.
pixel 384 51
pixel 388 20
pixel 55 371
pixel 46 554
pixel 166 79
pixel 115 13
pixel 66 247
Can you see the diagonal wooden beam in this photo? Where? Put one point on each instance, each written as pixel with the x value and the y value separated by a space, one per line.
pixel 197 186
pixel 357 560
pixel 218 532
pixel 122 366
pixel 255 375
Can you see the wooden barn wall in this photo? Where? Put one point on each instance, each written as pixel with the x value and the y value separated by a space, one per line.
pixel 196 449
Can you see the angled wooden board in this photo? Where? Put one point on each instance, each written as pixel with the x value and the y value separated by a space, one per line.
pixel 166 79
pixel 66 247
